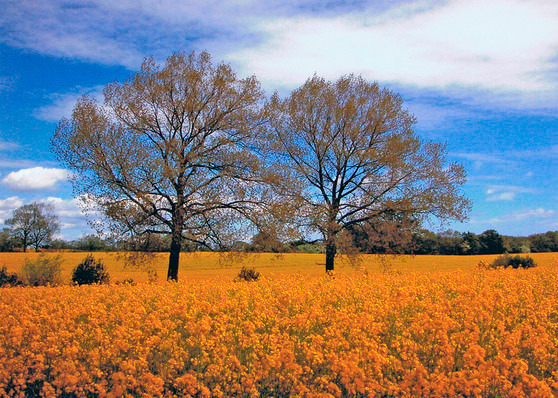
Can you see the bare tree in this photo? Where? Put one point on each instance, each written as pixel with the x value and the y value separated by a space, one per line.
pixel 168 152
pixel 34 223
pixel 353 146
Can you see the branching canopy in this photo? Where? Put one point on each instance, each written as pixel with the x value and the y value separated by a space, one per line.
pixel 168 151
pixel 353 145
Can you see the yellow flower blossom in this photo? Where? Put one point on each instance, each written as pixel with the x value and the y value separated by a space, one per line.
pixel 484 333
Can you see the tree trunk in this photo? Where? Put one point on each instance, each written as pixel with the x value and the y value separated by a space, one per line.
pixel 331 250
pixel 176 245
pixel 24 243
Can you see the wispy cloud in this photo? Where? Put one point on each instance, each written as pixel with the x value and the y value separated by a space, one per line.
pixel 433 116
pixel 62 104
pixel 502 51
pixel 521 215
pixel 501 196
pixel 550 152
pixel 5 83
pixel 8 145
pixel 520 222
pixel 11 162
pixel 121 32
pixel 492 157
pixel 509 188
pixel 480 161
pixel 507 158
pixel 34 179
pixel 59 29
pixel 505 192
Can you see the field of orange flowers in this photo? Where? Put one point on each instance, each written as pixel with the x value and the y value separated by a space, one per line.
pixel 208 265
pixel 487 333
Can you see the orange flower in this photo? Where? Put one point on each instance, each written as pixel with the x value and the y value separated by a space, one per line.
pixel 438 334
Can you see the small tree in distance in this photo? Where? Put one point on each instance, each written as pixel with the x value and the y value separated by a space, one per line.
pixel 34 223
pixel 352 146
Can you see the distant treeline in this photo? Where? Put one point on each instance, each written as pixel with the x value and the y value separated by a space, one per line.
pixel 488 242
pixel 419 242
pixel 450 243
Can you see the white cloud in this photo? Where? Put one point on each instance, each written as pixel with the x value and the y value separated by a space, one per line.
pixel 73 222
pixel 34 179
pixel 503 46
pixel 7 206
pixel 65 208
pixel 10 203
pixel 505 49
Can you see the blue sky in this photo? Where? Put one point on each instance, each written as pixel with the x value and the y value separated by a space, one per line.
pixel 481 76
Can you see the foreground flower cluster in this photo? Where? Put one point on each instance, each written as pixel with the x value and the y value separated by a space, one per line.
pixel 489 333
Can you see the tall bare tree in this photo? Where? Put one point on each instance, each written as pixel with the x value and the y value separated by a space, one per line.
pixel 34 223
pixel 168 152
pixel 353 146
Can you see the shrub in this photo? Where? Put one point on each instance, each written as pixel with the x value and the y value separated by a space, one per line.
pixel 127 281
pixel 484 264
pixel 248 274
pixel 42 271
pixel 8 279
pixel 90 271
pixel 516 261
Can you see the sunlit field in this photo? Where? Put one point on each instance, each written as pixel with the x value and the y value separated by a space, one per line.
pixel 428 326
pixel 206 265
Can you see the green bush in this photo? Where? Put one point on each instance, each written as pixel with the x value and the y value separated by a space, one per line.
pixel 248 274
pixel 8 279
pixel 516 261
pixel 90 271
pixel 42 271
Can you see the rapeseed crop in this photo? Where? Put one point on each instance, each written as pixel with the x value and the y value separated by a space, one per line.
pixel 209 265
pixel 482 333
